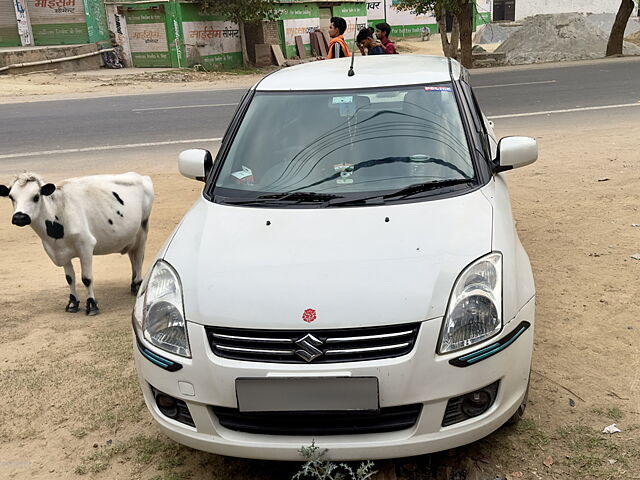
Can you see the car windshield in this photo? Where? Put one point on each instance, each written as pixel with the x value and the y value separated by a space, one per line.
pixel 310 146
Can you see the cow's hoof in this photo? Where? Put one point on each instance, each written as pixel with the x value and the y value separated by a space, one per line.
pixel 73 306
pixel 135 286
pixel 92 307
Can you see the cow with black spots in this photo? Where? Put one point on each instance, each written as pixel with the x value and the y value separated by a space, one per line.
pixel 82 217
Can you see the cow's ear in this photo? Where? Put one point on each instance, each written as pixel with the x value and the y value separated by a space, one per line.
pixel 47 189
pixel 4 191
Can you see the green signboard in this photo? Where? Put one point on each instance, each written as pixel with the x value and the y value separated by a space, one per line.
pixel 350 10
pixel 9 37
pixel 96 22
pixel 208 40
pixel 60 34
pixel 300 10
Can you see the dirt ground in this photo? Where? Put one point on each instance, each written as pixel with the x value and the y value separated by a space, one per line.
pixel 73 408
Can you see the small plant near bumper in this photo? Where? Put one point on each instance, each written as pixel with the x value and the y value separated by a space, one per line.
pixel 317 468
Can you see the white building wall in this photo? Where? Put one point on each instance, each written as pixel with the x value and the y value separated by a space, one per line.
pixel 525 8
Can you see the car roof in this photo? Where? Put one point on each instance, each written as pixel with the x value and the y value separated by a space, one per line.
pixel 370 71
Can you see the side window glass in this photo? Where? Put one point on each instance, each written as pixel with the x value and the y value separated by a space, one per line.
pixel 478 123
pixel 473 106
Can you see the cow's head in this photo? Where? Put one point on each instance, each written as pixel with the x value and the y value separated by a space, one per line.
pixel 25 193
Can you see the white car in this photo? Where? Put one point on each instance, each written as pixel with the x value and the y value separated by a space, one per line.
pixel 350 276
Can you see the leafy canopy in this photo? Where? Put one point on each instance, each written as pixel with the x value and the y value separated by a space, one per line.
pixel 245 11
pixel 428 7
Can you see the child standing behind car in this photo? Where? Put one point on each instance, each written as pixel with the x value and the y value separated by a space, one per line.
pixel 366 43
pixel 383 30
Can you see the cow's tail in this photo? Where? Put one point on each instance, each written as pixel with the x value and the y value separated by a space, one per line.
pixel 149 195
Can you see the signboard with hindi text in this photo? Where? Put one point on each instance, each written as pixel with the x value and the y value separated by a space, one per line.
pixel 352 12
pixel 209 40
pixel 375 11
pixel 58 22
pixel 147 38
pixel 407 24
pixel 96 20
pixel 299 19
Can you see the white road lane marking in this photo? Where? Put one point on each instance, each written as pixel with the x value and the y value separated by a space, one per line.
pixel 513 84
pixel 566 110
pixel 106 147
pixel 185 106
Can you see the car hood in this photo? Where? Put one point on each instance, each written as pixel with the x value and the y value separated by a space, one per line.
pixel 248 267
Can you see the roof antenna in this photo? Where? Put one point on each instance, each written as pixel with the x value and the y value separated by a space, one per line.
pixel 351 73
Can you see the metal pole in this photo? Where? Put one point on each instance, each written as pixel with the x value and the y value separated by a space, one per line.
pixel 55 60
pixel 385 11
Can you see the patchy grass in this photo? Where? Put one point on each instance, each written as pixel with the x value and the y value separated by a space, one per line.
pixel 174 476
pixel 591 453
pixel 531 433
pixel 105 396
pixel 141 451
pixel 612 413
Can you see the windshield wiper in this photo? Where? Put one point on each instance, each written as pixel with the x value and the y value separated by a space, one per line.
pixel 299 196
pixel 425 187
pixel 283 198
pixel 403 192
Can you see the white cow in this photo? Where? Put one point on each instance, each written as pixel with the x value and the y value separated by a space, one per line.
pixel 85 216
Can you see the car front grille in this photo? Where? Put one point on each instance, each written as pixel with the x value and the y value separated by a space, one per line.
pixel 388 419
pixel 316 346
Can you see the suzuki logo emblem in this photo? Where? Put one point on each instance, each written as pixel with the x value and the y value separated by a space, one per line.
pixel 308 347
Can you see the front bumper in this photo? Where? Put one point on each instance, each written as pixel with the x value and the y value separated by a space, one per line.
pixel 421 377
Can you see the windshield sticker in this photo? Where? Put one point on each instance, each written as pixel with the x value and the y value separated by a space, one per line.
pixel 343 167
pixel 347 109
pixel 438 89
pixel 339 100
pixel 244 176
pixel 345 170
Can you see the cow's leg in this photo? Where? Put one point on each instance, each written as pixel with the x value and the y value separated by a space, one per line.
pixel 136 255
pixel 136 270
pixel 70 275
pixel 86 259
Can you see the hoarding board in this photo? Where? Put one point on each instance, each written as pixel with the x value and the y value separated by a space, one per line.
pixel 148 38
pixel 209 40
pixel 58 22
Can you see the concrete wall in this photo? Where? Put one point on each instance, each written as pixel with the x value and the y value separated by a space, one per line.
pixel 260 33
pixel 526 8
pixel 10 56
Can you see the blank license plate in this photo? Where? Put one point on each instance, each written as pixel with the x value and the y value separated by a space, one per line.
pixel 305 394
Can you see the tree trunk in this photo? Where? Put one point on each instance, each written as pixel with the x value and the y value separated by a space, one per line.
pixel 616 38
pixel 243 42
pixel 465 18
pixel 450 49
pixel 455 37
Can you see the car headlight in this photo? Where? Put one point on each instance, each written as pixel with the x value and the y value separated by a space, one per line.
pixel 474 313
pixel 163 322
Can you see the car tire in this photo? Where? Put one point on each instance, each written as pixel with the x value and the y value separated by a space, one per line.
pixel 517 416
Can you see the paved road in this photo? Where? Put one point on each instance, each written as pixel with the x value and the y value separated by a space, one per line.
pixel 558 86
pixel 28 128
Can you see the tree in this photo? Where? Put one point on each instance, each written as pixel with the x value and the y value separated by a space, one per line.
pixel 616 37
pixel 242 12
pixel 461 32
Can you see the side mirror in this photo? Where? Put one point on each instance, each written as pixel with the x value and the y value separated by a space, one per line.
pixel 515 152
pixel 195 163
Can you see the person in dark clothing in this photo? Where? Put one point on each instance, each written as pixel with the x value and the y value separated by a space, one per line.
pixel 366 43
pixel 337 46
pixel 383 30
